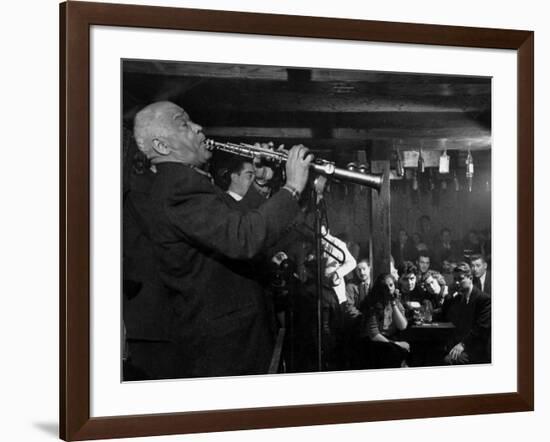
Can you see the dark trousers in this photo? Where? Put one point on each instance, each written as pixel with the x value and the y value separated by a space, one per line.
pixel 379 354
pixel 154 360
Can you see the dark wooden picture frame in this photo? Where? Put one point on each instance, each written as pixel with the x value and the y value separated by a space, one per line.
pixel 76 18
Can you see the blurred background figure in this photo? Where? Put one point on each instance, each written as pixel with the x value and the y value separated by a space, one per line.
pixel 472 245
pixel 403 249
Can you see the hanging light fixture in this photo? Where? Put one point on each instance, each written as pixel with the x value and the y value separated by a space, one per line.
pixel 456 182
pixel 415 180
pixel 469 170
pixel 399 169
pixel 421 165
pixel 444 163
pixel 444 159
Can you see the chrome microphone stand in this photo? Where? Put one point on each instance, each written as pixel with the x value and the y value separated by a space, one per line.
pixel 320 219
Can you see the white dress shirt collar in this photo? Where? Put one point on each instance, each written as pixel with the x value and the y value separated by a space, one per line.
pixel 234 195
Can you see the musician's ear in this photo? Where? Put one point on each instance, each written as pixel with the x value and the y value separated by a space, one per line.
pixel 160 147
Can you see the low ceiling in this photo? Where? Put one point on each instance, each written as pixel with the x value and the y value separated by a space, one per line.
pixel 335 111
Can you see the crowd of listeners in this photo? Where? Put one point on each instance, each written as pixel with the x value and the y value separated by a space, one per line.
pixel 446 287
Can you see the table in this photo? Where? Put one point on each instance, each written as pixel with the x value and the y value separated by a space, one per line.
pixel 427 342
pixel 429 331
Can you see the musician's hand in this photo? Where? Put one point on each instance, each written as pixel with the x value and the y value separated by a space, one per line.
pixel 297 167
pixel 281 148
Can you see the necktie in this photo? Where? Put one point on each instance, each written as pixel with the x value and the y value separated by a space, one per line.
pixel 362 292
pixel 477 283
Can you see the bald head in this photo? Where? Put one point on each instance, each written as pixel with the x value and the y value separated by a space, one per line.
pixel 147 124
pixel 164 132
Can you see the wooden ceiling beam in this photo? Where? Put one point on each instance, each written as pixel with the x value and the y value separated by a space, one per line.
pixel 299 80
pixel 359 120
pixel 258 72
pixel 299 83
pixel 296 102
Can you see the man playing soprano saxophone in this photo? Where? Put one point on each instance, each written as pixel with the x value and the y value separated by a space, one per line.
pixel 211 306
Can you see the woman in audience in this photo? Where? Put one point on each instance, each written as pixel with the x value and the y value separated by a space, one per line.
pixel 435 285
pixel 385 317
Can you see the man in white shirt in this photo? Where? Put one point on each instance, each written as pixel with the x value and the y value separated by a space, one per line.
pixel 241 177
pixel 482 277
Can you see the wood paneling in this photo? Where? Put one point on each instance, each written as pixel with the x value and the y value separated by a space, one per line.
pixel 381 221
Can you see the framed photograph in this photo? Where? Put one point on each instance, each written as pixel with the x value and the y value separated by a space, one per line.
pixel 272 221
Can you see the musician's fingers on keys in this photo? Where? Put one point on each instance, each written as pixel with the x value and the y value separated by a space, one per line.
pixel 308 155
pixel 297 167
pixel 304 154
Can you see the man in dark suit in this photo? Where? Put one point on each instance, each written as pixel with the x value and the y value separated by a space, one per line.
pixel 357 290
pixel 211 309
pixel 471 315
pixel 482 276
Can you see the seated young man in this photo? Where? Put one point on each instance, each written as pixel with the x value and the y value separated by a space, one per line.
pixel 471 314
pixel 423 262
pixel 357 290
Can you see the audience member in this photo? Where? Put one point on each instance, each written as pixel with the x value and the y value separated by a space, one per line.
pixel 423 262
pixel 445 249
pixel 447 268
pixel 403 249
pixel 482 276
pixel 408 287
pixel 436 287
pixel 385 317
pixel 425 230
pixel 471 315
pixel 357 291
pixel 472 245
pixel 236 178
pixel 417 243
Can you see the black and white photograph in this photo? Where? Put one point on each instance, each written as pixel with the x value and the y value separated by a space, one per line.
pixel 280 219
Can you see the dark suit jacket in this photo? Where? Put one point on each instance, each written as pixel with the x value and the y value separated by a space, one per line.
pixel 473 325
pixel 487 288
pixel 214 310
